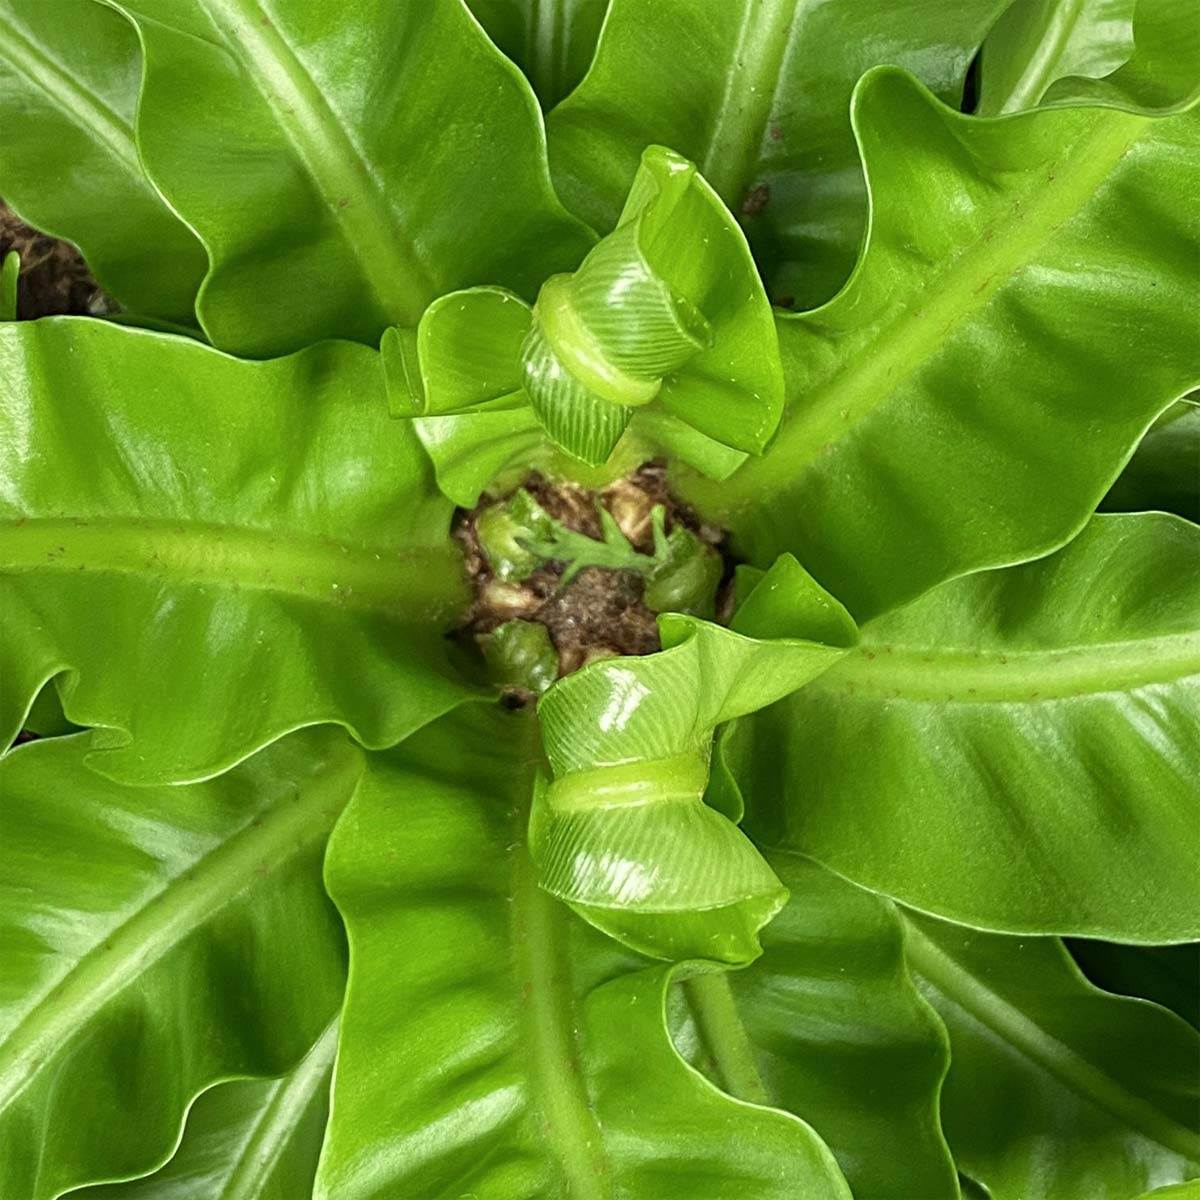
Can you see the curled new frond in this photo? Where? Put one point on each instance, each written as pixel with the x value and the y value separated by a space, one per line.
pixel 667 310
pixel 622 831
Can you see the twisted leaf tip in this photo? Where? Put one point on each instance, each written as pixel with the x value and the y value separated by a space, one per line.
pixel 621 829
pixel 668 309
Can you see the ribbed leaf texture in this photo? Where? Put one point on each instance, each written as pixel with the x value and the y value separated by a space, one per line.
pixel 1040 1059
pixel 622 831
pixel 143 961
pixel 1026 286
pixel 1060 697
pixel 348 216
pixel 256 545
pixel 485 1060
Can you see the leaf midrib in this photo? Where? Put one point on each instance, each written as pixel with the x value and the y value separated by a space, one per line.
pixel 61 88
pixel 941 674
pixel 724 1035
pixel 186 902
pixel 354 197
pixel 540 933
pixel 544 38
pixel 418 582
pixel 972 996
pixel 259 1154
pixel 740 122
pixel 873 366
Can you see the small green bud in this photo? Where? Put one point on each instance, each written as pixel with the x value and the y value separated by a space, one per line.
pixel 505 532
pixel 520 654
pixel 687 573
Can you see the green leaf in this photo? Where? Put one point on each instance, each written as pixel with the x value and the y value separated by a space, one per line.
pixel 1026 286
pixel 1179 1191
pixel 251 1139
pixel 10 270
pixel 483 450
pixel 1167 975
pixel 140 932
pixel 586 425
pixel 1162 76
pixel 209 553
pixel 69 77
pixel 1164 472
pixel 668 309
pixel 622 832
pixel 552 41
pixel 486 450
pixel 493 1045
pixel 1017 748
pixel 467 354
pixel 756 94
pixel 336 180
pixel 1056 1091
pixel 687 573
pixel 836 1033
pixel 45 716
pixel 1038 42
pixel 545 540
pixel 512 535
pixel 673 295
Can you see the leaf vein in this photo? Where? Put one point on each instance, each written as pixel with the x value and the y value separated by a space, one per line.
pixel 398 277
pixel 941 972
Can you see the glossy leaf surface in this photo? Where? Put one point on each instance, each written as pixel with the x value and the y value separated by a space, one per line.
pixel 1038 42
pixel 69 77
pixel 756 93
pixel 482 1060
pixel 552 41
pixel 1163 73
pixel 139 930
pixel 45 716
pixel 622 832
pixel 211 553
pixel 249 1139
pixel 1060 698
pixel 480 451
pixel 464 354
pixel 667 310
pixel 1167 975
pixel 1025 286
pixel 836 1033
pixel 1056 1091
pixel 241 573
pixel 1164 472
pixel 494 449
pixel 1175 1191
pixel 349 216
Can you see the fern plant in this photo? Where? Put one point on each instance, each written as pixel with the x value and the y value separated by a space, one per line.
pixel 615 612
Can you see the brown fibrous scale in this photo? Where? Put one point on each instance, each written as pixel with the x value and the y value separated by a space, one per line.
pixel 600 613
